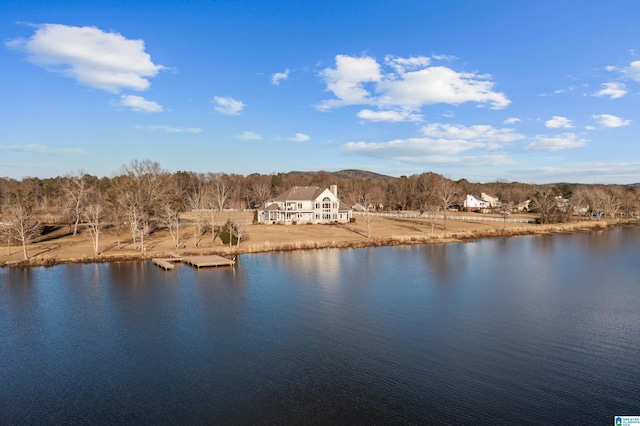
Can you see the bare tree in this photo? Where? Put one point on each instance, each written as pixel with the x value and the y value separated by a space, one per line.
pixel 170 219
pixel 364 194
pixel 513 195
pixel 425 197
pixel 22 222
pixel 7 234
pixel 147 185
pixel 94 214
pixel 613 201
pixel 221 190
pixel 545 202
pixel 259 190
pixel 630 201
pixel 397 193
pixel 445 191
pixel 198 202
pixel 75 188
pixel 220 193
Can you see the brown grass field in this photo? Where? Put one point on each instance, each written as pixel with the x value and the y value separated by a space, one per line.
pixel 59 246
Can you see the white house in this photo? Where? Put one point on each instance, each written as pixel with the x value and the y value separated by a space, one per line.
pixel 472 203
pixel 305 204
pixel 494 202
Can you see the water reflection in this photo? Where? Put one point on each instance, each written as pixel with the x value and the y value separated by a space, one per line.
pixel 444 260
pixel 534 330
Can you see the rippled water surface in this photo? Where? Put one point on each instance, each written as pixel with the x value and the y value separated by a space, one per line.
pixel 531 330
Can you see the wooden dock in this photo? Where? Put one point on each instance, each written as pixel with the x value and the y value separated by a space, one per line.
pixel 165 264
pixel 196 261
pixel 208 261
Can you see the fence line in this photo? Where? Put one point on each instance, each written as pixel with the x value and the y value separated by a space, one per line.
pixel 452 217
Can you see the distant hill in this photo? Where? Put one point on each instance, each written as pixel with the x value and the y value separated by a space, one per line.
pixel 363 174
pixel 344 174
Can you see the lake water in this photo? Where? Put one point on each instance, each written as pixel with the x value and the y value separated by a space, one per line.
pixel 530 330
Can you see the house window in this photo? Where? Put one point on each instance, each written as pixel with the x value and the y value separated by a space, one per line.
pixel 299 206
pixel 326 205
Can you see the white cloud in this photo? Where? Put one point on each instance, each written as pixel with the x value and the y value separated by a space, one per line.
pixel 392 116
pixel 611 121
pixel 448 58
pixel 36 148
pixel 610 68
pixel 633 70
pixel 403 149
pixel 103 60
pixel 425 151
pixel 480 133
pixel 402 65
pixel 567 90
pixel 512 120
pixel 407 85
pixel 248 136
pixel 558 122
pixel 614 172
pixel 228 106
pixel 139 104
pixel 279 76
pixel 170 129
pixel 346 81
pixel 613 90
pixel 300 137
pixel 556 143
pixel 441 144
pixel 560 91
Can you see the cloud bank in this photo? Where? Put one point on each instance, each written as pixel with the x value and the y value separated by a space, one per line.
pixel 440 144
pixel 400 87
pixel 170 129
pixel 556 143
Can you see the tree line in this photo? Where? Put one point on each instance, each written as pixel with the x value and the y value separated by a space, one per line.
pixel 142 197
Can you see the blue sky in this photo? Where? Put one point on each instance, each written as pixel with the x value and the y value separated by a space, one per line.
pixel 525 91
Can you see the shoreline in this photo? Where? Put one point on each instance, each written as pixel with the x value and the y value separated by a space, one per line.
pixel 250 247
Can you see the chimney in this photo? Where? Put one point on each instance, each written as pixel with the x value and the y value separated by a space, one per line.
pixel 334 189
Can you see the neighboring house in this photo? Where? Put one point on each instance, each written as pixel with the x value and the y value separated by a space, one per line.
pixel 494 202
pixel 562 203
pixel 359 207
pixel 524 206
pixel 473 204
pixel 305 204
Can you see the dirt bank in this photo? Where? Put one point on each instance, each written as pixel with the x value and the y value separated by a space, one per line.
pixel 58 246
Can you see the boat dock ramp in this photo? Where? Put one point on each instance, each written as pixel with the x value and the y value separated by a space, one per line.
pixel 168 263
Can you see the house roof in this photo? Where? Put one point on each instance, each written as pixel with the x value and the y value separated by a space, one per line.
pixel 299 193
pixel 342 207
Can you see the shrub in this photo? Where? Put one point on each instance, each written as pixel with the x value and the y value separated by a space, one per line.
pixel 228 231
